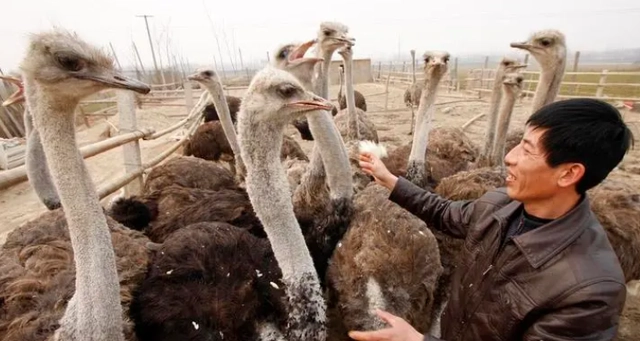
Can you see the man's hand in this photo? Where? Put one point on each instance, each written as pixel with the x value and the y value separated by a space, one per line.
pixel 400 330
pixel 373 166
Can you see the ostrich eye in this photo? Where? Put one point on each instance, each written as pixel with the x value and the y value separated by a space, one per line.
pixel 208 73
pixel 70 63
pixel 545 42
pixel 327 32
pixel 427 59
pixel 287 90
pixel 519 80
pixel 445 59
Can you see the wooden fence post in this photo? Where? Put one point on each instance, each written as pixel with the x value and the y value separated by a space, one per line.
pixel 576 61
pixel 455 63
pixel 188 96
pixel 601 83
pixel 379 70
pixel 386 89
pixel 131 150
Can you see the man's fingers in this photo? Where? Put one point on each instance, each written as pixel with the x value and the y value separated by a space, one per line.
pixel 387 317
pixel 377 335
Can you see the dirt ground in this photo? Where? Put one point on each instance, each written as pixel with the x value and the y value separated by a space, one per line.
pixel 19 203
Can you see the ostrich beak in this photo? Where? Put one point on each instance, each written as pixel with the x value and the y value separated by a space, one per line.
pixel 17 96
pixel 522 45
pixel 314 103
pixel 520 66
pixel 296 56
pixel 301 50
pixel 116 80
pixel 195 77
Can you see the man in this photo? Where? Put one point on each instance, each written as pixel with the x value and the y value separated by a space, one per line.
pixel 536 263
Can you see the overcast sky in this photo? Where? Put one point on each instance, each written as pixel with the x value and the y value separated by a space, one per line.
pixel 381 28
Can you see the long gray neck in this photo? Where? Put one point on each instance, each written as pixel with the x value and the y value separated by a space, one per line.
pixel 94 312
pixel 222 107
pixel 353 132
pixel 426 109
pixel 37 166
pixel 549 84
pixel 268 189
pixel 322 81
pixel 496 96
pixel 340 89
pixel 506 109
pixel 328 148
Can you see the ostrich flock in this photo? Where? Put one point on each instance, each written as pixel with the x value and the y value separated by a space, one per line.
pixel 245 237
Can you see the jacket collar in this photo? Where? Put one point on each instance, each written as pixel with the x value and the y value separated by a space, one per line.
pixel 546 241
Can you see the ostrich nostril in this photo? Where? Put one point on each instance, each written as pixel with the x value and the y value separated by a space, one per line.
pixel 118 78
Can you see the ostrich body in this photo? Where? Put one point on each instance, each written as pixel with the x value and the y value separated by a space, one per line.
pixel 506 65
pixel 353 122
pixel 59 70
pixel 549 49
pixel 36 163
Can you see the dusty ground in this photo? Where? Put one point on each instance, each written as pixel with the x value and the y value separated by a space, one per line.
pixel 19 203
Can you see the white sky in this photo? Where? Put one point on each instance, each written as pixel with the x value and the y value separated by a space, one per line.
pixel 381 28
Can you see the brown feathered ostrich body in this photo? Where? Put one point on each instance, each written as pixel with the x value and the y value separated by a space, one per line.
pixel 211 114
pixel 388 258
pixel 212 281
pixel 69 274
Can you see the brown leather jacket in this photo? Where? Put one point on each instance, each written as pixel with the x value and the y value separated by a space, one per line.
pixel 560 281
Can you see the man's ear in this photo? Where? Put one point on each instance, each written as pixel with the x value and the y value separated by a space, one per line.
pixel 571 174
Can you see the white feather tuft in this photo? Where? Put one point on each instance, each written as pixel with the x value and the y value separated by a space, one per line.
pixel 376 149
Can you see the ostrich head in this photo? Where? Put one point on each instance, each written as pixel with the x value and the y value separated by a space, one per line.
pixel 333 35
pixel 290 57
pixel 206 77
pixel 275 95
pixel 71 69
pixel 513 82
pixel 548 47
pixel 16 97
pixel 511 65
pixel 436 63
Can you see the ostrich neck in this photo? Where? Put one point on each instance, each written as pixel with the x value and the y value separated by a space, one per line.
pixel 328 148
pixel 549 85
pixel 220 102
pixel 37 166
pixel 340 89
pixel 353 133
pixel 322 81
pixel 423 121
pixel 96 312
pixel 506 109
pixel 496 96
pixel 267 187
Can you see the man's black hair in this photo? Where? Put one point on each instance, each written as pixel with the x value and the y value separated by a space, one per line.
pixel 586 131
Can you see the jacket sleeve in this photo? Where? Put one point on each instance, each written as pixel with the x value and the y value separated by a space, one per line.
pixel 591 313
pixel 450 217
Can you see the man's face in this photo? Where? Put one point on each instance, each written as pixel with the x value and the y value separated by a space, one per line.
pixel 529 177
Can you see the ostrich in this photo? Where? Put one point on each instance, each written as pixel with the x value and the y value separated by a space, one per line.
pixel 360 101
pixel 449 151
pixel 353 122
pixel 243 286
pixel 36 163
pixel 414 91
pixel 507 65
pixel 211 114
pixel 59 70
pixel 549 49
